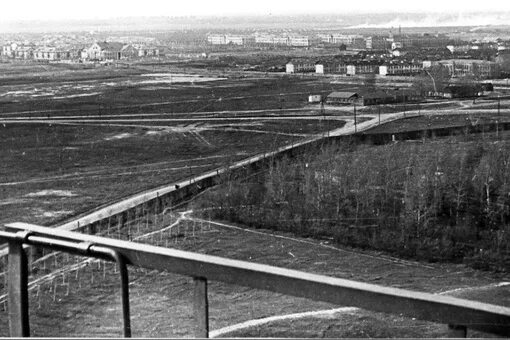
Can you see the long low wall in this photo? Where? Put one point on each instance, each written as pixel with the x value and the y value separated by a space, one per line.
pixel 159 199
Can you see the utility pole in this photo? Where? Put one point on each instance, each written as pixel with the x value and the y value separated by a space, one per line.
pixel 404 99
pixel 379 109
pixel 355 123
pixel 323 113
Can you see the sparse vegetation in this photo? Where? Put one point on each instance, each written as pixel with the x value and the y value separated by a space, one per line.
pixel 442 200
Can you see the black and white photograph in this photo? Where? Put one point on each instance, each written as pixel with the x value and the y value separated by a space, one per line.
pixel 254 169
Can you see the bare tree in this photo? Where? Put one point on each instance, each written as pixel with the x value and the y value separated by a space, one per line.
pixel 434 79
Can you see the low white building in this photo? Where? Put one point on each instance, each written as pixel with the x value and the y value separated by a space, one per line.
pixel 314 98
pixel 9 49
pixel 299 41
pixel 216 39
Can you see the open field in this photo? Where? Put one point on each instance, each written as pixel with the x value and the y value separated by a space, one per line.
pixel 68 147
pixel 84 301
pixel 74 138
pixel 95 165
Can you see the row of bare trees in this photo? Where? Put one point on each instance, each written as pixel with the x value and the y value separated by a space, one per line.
pixel 442 200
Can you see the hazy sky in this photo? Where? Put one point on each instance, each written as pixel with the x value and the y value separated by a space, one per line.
pixel 90 9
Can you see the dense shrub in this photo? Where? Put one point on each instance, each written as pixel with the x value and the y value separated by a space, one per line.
pixel 439 200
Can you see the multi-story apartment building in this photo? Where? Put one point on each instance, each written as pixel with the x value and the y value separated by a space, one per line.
pixel 482 69
pixel 299 41
pixel 300 66
pixel 377 43
pixel 400 69
pixel 217 39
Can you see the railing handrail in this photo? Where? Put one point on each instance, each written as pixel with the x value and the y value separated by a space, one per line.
pixel 423 306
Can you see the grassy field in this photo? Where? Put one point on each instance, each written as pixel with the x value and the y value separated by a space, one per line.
pixel 85 302
pixel 75 137
pixel 81 167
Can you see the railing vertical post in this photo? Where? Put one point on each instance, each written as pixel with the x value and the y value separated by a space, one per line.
pixel 18 290
pixel 124 278
pixel 124 283
pixel 201 308
pixel 457 331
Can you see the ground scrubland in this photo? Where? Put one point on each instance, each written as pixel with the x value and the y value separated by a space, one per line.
pixel 439 200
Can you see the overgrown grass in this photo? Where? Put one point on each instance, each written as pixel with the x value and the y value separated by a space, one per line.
pixel 445 200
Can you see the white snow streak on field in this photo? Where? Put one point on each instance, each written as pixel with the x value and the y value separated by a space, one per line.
pixel 119 136
pixel 59 193
pixel 78 95
pixel 463 289
pixel 176 78
pixel 330 314
pixel 51 214
pixel 12 201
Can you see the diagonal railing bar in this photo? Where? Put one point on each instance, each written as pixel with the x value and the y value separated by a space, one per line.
pixel 460 314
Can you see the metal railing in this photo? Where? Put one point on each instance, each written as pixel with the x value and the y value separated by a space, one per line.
pixel 459 314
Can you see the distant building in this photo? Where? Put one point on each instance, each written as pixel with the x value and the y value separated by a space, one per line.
pixel 105 51
pixel 458 48
pixel 462 91
pixel 325 38
pixel 24 52
pixel 330 66
pixel 348 40
pixel 281 40
pixel 377 43
pixel 342 98
pixel 229 39
pixel 45 53
pixel 319 68
pixel 300 66
pixel 266 39
pixel 367 97
pixel 217 39
pixel 133 51
pixel 426 64
pixel 396 45
pixel 362 68
pixel 400 69
pixel 314 98
pixel 421 41
pixel 8 50
pixel 299 41
pixel 469 67
pixel 235 40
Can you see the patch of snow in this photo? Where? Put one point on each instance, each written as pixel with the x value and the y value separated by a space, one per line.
pixel 162 78
pixel 119 136
pixel 154 133
pixel 329 314
pixel 58 193
pixel 50 214
pixel 78 95
pixel 464 289
pixel 12 201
